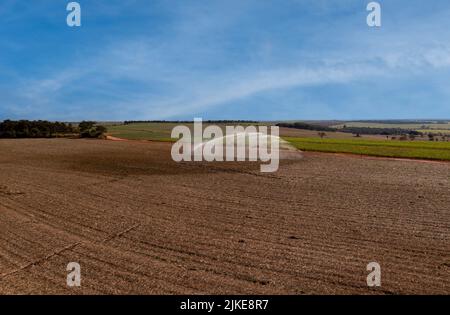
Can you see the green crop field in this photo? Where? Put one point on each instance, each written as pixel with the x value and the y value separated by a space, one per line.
pixel 385 148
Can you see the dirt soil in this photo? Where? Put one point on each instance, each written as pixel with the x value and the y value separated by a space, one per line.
pixel 139 223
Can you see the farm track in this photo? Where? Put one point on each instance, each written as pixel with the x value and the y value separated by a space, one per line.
pixel 139 223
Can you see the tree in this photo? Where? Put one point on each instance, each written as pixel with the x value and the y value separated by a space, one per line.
pixel 86 125
pixel 89 129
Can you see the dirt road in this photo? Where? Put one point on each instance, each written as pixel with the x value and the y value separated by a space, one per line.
pixel 139 223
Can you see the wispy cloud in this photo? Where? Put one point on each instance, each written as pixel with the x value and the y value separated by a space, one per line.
pixel 197 58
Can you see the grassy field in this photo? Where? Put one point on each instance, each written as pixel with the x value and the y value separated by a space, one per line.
pixel 151 131
pixel 162 131
pixel 308 142
pixel 386 148
pixel 142 131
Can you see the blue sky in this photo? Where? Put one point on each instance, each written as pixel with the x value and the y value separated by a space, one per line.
pixel 227 59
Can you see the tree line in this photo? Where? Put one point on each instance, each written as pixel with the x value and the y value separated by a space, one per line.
pixel 48 129
pixel 353 130
pixel 305 126
pixel 405 122
pixel 380 131
pixel 128 122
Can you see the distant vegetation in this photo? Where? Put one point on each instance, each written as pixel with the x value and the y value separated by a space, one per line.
pixel 305 126
pixel 128 122
pixel 34 129
pixel 353 130
pixel 48 129
pixel 404 122
pixel 379 131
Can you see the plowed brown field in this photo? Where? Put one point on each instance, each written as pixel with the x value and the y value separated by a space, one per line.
pixel 139 223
